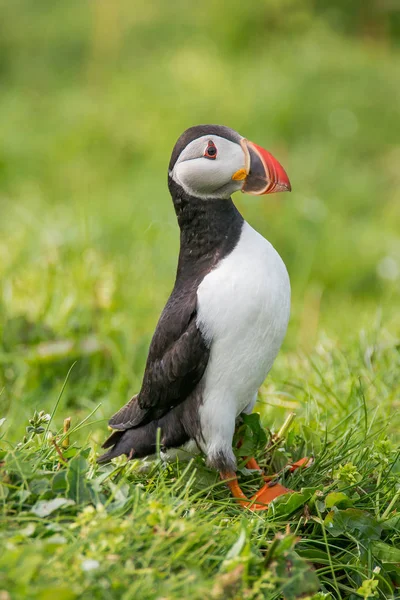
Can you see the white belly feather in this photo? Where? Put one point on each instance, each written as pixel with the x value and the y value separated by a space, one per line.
pixel 243 311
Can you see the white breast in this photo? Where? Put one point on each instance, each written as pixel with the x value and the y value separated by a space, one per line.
pixel 243 311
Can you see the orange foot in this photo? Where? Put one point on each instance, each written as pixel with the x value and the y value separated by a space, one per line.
pixel 268 492
pixel 261 499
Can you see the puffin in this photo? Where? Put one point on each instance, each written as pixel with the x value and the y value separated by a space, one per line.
pixel 225 320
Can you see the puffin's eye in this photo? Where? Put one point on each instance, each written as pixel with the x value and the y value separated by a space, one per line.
pixel 210 151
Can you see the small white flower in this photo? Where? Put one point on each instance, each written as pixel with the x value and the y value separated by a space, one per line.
pixel 90 564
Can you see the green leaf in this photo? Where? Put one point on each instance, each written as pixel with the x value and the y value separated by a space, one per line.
pixel 385 552
pixel 39 486
pixel 59 482
pixel 77 485
pixel 44 508
pixel 251 434
pixel 285 505
pixel 393 523
pixel 17 463
pixel 292 574
pixel 338 499
pixel 297 577
pixel 354 521
pixel 71 452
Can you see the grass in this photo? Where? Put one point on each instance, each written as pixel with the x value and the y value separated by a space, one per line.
pixel 93 99
pixel 79 531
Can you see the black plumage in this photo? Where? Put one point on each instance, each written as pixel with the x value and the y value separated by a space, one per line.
pixel 178 354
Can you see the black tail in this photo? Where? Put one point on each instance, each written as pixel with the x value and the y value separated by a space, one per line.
pixel 111 442
pixel 135 443
pixel 141 441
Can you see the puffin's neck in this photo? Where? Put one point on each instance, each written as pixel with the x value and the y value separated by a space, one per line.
pixel 210 229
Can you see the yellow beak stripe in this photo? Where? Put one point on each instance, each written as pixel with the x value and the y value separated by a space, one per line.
pixel 239 175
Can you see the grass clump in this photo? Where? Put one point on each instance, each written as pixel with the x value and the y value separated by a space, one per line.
pixel 155 530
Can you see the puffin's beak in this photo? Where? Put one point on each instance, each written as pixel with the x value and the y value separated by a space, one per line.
pixel 262 174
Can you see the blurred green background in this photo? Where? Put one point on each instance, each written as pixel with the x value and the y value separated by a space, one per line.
pixel 93 97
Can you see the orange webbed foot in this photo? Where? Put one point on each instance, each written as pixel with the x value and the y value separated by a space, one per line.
pixel 265 495
pixel 271 490
pixel 261 499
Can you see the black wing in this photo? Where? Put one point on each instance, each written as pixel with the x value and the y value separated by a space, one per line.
pixel 177 359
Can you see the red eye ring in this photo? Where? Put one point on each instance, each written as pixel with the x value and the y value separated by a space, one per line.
pixel 211 151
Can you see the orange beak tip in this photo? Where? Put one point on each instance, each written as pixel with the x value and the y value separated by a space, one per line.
pixel 283 187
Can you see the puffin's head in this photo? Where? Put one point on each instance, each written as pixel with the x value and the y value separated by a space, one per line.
pixel 213 161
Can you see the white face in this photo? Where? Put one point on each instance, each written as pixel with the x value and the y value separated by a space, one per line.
pixel 206 174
